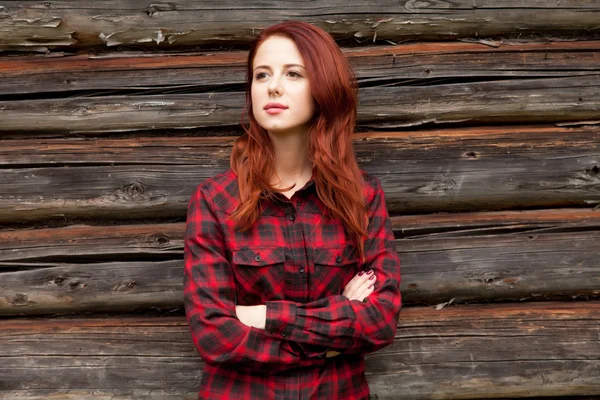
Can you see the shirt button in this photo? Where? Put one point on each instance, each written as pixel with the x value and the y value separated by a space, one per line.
pixel 338 259
pixel 257 258
pixel 301 269
pixel 292 217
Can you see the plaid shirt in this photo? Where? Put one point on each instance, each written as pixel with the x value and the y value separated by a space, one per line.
pixel 297 261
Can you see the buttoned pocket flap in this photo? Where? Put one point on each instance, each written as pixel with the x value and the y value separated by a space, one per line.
pixel 340 256
pixel 259 257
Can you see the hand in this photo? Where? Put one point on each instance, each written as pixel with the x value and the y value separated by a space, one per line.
pixel 255 316
pixel 362 285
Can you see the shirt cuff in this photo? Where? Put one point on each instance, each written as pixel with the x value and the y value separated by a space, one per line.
pixel 281 318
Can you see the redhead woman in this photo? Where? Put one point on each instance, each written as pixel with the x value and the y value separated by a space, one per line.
pixel 291 272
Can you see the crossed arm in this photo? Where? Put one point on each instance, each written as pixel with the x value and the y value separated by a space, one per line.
pixel 284 333
pixel 359 287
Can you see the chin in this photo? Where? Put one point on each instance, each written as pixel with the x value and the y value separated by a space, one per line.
pixel 275 128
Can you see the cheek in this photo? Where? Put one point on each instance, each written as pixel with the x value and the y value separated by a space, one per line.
pixel 255 101
pixel 253 93
pixel 308 102
pixel 308 107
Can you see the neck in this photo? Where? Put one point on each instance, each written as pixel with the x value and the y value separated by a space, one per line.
pixel 292 165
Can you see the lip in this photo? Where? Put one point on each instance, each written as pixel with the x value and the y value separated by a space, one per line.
pixel 275 106
pixel 274 110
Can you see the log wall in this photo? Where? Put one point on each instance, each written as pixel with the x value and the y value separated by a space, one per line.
pixel 480 118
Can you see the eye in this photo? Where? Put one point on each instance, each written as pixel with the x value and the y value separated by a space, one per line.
pixel 294 74
pixel 260 75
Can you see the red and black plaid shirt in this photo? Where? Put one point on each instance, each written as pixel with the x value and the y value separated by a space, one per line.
pixel 297 261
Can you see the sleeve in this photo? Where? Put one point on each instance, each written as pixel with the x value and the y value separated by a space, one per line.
pixel 349 326
pixel 210 299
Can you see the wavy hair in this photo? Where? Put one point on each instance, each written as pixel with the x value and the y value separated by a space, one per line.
pixel 338 179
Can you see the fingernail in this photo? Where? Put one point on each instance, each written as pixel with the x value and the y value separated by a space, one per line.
pixel 371 287
pixel 369 272
pixel 361 273
pixel 372 277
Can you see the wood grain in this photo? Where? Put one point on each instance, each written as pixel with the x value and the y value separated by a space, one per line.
pixel 426 171
pixel 470 257
pixel 408 64
pixel 462 352
pixel 29 25
pixel 543 100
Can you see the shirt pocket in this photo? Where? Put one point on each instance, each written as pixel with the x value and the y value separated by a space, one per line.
pixel 259 274
pixel 333 269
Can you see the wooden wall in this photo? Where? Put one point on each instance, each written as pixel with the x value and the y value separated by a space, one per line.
pixel 480 117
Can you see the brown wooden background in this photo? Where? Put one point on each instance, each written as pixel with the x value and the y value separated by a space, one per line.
pixel 480 117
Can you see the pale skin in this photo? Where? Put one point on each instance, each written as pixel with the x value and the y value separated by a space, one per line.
pixel 280 77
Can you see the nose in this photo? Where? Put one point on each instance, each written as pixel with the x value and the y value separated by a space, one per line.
pixel 275 88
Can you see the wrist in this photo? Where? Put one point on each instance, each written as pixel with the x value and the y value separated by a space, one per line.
pixel 261 316
pixel 254 316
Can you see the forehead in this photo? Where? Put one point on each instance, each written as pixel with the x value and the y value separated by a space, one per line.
pixel 277 51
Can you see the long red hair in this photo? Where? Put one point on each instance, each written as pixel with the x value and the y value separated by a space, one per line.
pixel 336 174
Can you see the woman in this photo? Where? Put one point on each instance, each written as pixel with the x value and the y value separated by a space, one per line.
pixel 291 272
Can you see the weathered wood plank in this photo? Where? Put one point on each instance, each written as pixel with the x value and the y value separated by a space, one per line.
pixel 165 241
pixel 512 101
pixel 124 394
pixel 470 257
pixel 62 24
pixel 112 286
pixel 465 352
pixel 405 65
pixel 425 171
pixel 204 152
pixel 93 243
pixel 117 394
pixel 473 223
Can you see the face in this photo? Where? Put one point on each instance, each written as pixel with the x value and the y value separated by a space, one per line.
pixel 281 98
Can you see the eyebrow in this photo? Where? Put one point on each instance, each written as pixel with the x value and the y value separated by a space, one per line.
pixel 286 66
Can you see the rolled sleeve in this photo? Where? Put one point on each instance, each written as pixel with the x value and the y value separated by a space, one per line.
pixel 281 318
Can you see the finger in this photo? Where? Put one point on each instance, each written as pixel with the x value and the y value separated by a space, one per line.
pixel 363 286
pixel 359 277
pixel 367 292
pixel 355 283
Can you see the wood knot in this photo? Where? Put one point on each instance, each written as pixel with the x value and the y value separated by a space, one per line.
pixel 58 280
pixel 160 7
pixel 161 240
pixel 594 171
pixel 74 285
pixel 471 154
pixel 134 190
pixel 80 111
pixel 124 286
